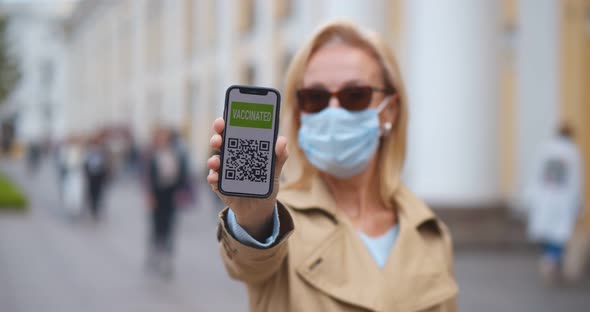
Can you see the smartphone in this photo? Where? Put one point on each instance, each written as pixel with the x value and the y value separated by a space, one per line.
pixel 247 155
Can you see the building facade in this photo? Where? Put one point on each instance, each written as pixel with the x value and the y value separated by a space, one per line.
pixel 484 78
pixel 36 40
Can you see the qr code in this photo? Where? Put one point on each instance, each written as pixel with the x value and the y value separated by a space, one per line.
pixel 247 160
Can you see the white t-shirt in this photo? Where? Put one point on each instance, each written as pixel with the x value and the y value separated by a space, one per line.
pixel 168 167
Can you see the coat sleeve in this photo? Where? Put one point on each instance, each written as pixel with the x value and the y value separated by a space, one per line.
pixel 250 264
pixel 449 305
pixel 244 237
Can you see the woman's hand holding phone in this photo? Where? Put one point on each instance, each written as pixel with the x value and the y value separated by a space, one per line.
pixel 252 214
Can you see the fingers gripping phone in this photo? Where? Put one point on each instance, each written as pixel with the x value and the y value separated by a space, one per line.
pixel 247 157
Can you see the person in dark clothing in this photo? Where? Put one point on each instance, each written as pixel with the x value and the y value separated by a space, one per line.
pixel 166 175
pixel 96 168
pixel 33 157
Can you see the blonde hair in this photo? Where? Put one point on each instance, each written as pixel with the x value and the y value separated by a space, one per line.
pixel 391 153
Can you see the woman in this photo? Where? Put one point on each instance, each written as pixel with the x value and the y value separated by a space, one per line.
pixel 343 234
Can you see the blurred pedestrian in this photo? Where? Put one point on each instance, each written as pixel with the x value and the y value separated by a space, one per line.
pixel 34 152
pixel 97 172
pixel 166 175
pixel 555 198
pixel 71 163
pixel 344 233
pixel 6 138
pixel 133 157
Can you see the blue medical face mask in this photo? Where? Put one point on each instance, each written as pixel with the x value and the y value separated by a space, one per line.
pixel 341 142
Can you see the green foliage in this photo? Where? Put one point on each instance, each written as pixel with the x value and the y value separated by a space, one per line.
pixel 9 73
pixel 11 197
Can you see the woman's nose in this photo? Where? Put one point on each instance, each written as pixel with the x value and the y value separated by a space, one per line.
pixel 334 102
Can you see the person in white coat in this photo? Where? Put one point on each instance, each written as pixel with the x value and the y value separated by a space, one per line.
pixel 555 199
pixel 73 183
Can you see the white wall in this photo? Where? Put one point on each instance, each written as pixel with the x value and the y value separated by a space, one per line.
pixel 538 72
pixel 38 43
pixel 452 77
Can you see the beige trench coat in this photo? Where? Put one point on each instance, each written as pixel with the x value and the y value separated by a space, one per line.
pixel 319 262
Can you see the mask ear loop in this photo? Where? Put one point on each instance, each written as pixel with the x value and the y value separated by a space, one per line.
pixel 383 104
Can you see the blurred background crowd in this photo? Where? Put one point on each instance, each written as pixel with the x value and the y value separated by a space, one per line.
pixel 97 93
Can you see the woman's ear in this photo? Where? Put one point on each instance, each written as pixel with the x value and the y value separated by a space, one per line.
pixel 389 114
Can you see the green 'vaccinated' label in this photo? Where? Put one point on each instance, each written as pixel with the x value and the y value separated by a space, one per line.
pixel 251 115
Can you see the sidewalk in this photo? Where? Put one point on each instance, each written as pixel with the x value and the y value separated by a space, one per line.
pixel 49 264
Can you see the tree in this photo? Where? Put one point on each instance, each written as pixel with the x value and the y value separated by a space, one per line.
pixel 9 72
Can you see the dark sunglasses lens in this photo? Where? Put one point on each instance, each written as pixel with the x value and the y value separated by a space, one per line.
pixel 313 100
pixel 355 98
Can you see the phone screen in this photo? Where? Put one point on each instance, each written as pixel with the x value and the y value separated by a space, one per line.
pixel 247 158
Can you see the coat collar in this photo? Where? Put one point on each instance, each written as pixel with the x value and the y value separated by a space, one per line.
pixel 319 197
pixel 415 276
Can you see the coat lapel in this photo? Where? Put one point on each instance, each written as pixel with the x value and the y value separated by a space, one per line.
pixel 337 268
pixel 416 274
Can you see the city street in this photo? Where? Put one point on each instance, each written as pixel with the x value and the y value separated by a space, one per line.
pixel 50 263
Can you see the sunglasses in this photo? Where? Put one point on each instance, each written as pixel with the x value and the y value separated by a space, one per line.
pixel 352 98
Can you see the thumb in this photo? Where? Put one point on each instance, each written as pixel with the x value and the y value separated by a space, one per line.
pixel 281 152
